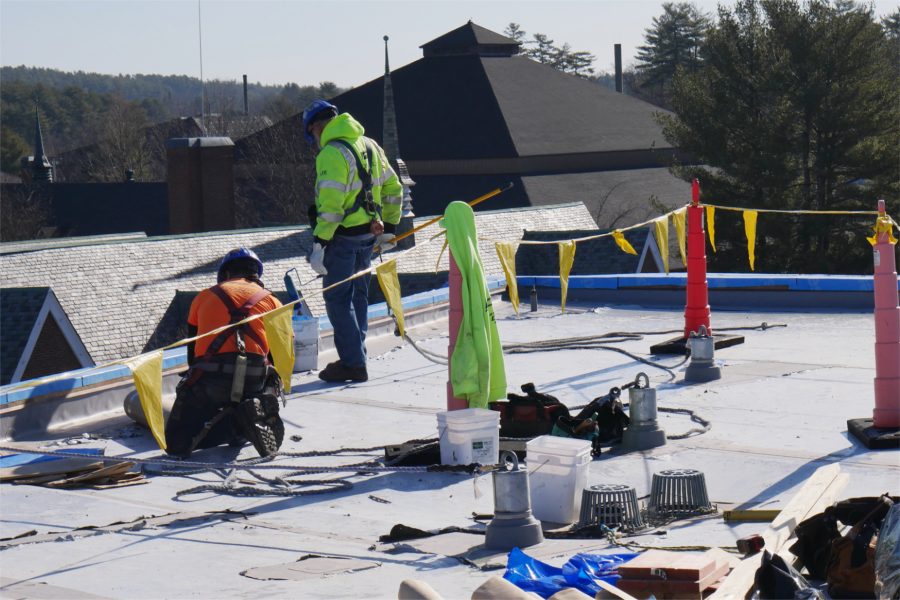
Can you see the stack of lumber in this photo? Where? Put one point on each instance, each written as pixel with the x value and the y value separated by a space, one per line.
pixel 665 574
pixel 64 472
pixel 818 492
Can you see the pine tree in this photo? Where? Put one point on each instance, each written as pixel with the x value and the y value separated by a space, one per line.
pixel 515 31
pixel 793 106
pixel 542 49
pixel 672 43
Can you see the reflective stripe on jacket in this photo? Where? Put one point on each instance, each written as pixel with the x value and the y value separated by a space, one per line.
pixel 338 183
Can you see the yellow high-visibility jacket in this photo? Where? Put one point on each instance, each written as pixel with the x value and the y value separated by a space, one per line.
pixel 338 182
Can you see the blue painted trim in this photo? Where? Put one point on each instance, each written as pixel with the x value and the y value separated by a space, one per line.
pixel 722 281
pixel 173 358
pixel 16 460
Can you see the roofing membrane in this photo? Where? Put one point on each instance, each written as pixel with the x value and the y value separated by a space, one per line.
pixel 778 413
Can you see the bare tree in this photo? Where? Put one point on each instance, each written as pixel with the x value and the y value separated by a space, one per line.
pixel 23 212
pixel 274 177
pixel 122 146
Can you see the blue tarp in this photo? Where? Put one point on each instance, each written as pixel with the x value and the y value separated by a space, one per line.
pixel 579 572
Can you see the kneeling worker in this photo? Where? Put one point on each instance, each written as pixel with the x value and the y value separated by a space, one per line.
pixel 230 393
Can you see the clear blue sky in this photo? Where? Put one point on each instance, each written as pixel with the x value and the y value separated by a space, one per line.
pixel 296 40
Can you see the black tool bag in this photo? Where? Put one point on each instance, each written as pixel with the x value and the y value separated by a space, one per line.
pixel 609 414
pixel 528 416
pixel 846 562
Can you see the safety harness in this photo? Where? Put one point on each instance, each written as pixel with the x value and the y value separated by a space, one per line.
pixel 365 199
pixel 237 315
pixel 239 370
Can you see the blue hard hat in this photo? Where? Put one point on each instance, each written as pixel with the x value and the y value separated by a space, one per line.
pixel 309 116
pixel 237 254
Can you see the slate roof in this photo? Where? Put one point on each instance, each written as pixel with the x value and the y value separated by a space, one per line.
pixel 19 309
pixel 116 294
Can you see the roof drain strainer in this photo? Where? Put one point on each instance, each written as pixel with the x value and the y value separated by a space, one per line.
pixel 610 504
pixel 678 492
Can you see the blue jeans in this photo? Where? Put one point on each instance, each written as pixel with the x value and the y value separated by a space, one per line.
pixel 348 304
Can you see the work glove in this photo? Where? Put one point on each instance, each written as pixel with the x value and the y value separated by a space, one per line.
pixel 386 241
pixel 317 259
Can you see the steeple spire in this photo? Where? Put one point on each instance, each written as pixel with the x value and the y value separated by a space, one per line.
pixel 391 140
pixel 391 144
pixel 41 170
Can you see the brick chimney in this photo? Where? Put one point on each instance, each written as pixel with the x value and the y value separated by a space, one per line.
pixel 201 184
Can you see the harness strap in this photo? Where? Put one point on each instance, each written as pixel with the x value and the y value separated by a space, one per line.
pixel 364 196
pixel 237 314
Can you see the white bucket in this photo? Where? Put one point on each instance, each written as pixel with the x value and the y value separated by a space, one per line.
pixel 306 343
pixel 557 474
pixel 470 435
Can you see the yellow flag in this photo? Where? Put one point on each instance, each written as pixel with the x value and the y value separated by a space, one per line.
pixel 390 287
pixel 566 258
pixel 883 225
pixel 750 230
pixel 146 370
pixel 678 221
pixel 622 243
pixel 711 225
pixel 506 251
pixel 662 239
pixel 437 263
pixel 280 335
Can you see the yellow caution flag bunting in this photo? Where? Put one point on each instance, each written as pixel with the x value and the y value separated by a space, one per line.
pixel 882 225
pixel 750 230
pixel 711 225
pixel 146 370
pixel 566 258
pixel 280 335
pixel 678 221
pixel 506 252
pixel 622 243
pixel 390 287
pixel 661 225
pixel 437 263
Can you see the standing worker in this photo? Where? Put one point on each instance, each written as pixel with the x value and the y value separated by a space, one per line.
pixel 358 199
pixel 230 393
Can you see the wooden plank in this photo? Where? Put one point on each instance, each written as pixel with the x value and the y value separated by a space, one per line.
pixel 679 588
pixel 673 588
pixel 819 491
pixel 666 565
pixel 61 466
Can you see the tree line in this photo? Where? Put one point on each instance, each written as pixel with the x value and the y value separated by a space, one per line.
pixel 76 108
pixel 787 106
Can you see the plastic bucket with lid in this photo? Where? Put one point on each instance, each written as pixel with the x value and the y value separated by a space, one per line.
pixel 557 473
pixel 470 435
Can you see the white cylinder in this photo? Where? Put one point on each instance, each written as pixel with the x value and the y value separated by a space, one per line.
pixel 306 343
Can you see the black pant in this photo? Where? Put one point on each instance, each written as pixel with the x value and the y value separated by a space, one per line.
pixel 198 403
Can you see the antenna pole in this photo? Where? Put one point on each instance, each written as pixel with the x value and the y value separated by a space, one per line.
pixel 202 87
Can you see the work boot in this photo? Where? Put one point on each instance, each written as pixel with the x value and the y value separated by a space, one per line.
pixel 338 372
pixel 261 425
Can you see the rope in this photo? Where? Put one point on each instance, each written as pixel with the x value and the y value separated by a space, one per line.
pixel 253 463
pixel 704 424
pixel 432 356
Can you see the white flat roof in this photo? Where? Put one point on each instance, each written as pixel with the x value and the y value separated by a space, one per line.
pixel 778 413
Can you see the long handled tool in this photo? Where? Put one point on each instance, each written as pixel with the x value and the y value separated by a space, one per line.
pixel 477 200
